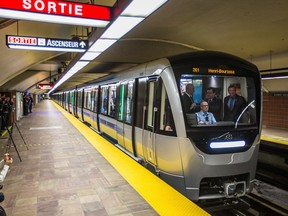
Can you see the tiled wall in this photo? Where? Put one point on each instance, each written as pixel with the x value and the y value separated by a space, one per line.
pixel 275 111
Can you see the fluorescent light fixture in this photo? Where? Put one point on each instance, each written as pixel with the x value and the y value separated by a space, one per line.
pixel 135 13
pixel 89 56
pixel 101 45
pixel 12 14
pixel 142 8
pixel 228 144
pixel 79 65
pixel 45 48
pixel 121 26
pixel 278 77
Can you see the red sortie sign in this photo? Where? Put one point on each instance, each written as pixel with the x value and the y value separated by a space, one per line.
pixel 54 7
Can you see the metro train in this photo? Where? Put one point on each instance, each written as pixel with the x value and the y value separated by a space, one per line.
pixel 133 108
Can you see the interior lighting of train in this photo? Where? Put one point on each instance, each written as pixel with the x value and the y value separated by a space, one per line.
pixel 132 15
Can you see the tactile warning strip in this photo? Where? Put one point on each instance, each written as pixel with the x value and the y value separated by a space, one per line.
pixel 164 199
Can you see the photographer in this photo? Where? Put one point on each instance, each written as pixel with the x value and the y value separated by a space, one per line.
pixel 4 166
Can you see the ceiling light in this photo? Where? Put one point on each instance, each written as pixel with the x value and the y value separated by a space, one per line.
pixel 89 56
pixel 101 45
pixel 121 26
pixel 142 8
pixel 269 78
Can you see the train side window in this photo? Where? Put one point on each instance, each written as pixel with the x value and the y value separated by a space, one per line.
pixel 104 100
pixel 79 98
pixel 121 102
pixel 92 99
pixel 112 101
pixel 166 116
pixel 129 102
pixel 95 108
pixel 150 118
pixel 87 99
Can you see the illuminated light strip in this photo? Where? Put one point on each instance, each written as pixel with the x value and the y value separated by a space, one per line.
pixel 45 48
pixel 142 8
pixel 279 77
pixel 230 144
pixel 134 14
pixel 78 66
pixel 89 56
pixel 101 45
pixel 121 26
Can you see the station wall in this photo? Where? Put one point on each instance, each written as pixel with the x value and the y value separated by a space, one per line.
pixel 275 110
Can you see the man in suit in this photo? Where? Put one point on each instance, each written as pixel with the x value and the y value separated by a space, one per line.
pixel 187 98
pixel 233 105
pixel 215 103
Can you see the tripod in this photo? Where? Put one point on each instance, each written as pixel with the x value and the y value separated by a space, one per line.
pixel 10 137
pixel 14 123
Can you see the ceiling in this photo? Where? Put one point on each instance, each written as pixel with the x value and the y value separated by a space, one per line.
pixel 254 30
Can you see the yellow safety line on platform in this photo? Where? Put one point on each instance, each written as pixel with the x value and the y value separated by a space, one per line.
pixel 275 139
pixel 164 199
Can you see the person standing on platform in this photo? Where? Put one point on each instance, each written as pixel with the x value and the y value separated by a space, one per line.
pixel 26 105
pixel 30 99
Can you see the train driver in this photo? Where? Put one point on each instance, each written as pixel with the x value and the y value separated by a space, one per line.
pixel 204 117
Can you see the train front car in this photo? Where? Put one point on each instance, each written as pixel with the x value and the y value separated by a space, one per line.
pixel 219 156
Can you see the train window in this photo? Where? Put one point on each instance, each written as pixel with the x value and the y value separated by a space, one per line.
pixel 166 117
pixel 79 98
pixel 129 102
pixel 95 90
pixel 104 100
pixel 112 100
pixel 218 100
pixel 150 118
pixel 87 99
pixel 121 102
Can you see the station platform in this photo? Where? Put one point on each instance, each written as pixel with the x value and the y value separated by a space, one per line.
pixel 68 169
pixel 275 135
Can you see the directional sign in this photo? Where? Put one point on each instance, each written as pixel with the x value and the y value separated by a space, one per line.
pixel 47 44
pixel 45 86
pixel 55 11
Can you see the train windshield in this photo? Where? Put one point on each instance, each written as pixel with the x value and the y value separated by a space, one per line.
pixel 218 100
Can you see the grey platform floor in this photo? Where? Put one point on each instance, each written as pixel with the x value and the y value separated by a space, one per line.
pixel 62 174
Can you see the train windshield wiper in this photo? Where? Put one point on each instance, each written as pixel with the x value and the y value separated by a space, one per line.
pixel 250 104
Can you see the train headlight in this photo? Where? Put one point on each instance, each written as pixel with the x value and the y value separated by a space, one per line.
pixel 228 144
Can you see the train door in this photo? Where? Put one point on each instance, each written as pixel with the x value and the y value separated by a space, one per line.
pixel 81 104
pixel 74 102
pixel 125 92
pixel 149 122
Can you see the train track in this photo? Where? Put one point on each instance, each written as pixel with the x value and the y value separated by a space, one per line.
pixel 258 207
pixel 273 164
pixel 270 197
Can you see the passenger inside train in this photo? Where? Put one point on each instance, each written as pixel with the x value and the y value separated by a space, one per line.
pixel 234 110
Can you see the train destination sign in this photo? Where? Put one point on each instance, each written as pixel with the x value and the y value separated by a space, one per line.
pixel 55 11
pixel 46 44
